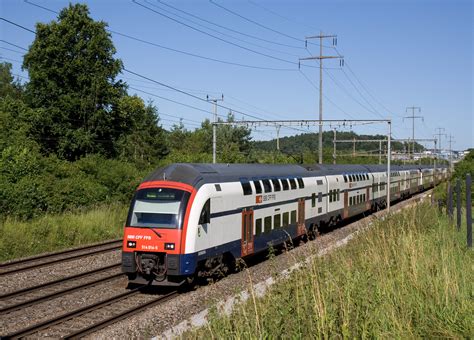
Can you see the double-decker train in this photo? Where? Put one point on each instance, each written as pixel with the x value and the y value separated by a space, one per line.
pixel 190 220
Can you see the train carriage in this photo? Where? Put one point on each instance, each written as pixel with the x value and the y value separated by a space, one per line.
pixel 189 220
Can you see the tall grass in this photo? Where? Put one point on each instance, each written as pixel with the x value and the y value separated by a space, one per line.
pixel 410 276
pixel 59 231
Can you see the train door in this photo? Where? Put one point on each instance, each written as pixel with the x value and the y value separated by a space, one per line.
pixel 346 204
pixel 247 232
pixel 300 228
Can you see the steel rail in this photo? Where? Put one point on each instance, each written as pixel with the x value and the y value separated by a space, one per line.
pixel 51 283
pixel 116 318
pixel 67 251
pixel 9 309
pixel 67 259
pixel 57 320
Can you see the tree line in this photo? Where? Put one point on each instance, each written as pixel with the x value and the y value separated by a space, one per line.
pixel 73 136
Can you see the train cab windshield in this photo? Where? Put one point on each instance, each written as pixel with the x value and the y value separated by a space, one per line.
pixel 158 208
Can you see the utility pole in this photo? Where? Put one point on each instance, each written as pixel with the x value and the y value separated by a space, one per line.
pixel 278 127
pixel 451 152
pixel 439 134
pixel 214 126
pixel 320 58
pixel 334 148
pixel 353 147
pixel 380 152
pixel 413 117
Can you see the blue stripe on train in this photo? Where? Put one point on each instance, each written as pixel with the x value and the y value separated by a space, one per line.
pixel 188 262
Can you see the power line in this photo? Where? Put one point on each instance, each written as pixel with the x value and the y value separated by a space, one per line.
pixel 217 31
pixel 325 97
pixel 230 29
pixel 191 54
pixel 189 94
pixel 413 117
pixel 11 50
pixel 174 88
pixel 42 7
pixel 281 16
pixel 9 43
pixel 10 59
pixel 212 35
pixel 17 25
pixel 255 22
pixel 174 101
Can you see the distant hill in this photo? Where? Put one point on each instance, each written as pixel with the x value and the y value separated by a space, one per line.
pixel 309 141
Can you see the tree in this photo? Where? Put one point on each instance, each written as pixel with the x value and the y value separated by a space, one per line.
pixel 8 86
pixel 73 74
pixel 145 141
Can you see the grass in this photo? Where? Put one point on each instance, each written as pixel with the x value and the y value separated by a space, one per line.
pixel 408 277
pixel 60 231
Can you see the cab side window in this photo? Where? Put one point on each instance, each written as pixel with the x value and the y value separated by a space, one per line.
pixel 205 216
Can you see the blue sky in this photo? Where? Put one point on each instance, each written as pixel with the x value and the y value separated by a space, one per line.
pixel 397 54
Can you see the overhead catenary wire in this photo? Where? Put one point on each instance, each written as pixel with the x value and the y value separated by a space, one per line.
pixel 191 54
pixel 180 91
pixel 232 30
pixel 216 31
pixel 260 25
pixel 281 16
pixel 214 36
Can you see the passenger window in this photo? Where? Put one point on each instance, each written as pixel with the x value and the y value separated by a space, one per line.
pixel 338 194
pixel 268 224
pixel 320 197
pixel 205 216
pixel 293 216
pixel 286 219
pixel 345 178
pixel 266 185
pixel 293 183
pixel 284 183
pixel 277 221
pixel 276 184
pixel 300 182
pixel 319 182
pixel 218 187
pixel 246 187
pixel 258 226
pixel 330 196
pixel 313 200
pixel 258 187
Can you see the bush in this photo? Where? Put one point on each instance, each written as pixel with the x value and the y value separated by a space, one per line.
pixel 31 185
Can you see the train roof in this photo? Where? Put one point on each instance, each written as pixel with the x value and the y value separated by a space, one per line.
pixel 197 174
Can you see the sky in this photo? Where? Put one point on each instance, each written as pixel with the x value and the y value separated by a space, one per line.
pixel 397 54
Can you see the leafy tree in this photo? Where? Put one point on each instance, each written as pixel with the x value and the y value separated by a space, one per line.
pixel 145 141
pixel 8 86
pixel 73 74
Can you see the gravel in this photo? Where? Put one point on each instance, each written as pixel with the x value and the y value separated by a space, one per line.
pixel 34 277
pixel 161 318
pixel 156 320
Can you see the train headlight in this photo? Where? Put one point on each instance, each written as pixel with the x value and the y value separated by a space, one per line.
pixel 169 246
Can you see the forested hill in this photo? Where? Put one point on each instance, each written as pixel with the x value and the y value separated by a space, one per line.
pixel 309 141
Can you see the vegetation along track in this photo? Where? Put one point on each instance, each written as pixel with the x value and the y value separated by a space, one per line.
pixel 23 298
pixel 53 258
pixel 91 318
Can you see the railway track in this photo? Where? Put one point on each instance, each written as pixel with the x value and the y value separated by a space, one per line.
pixel 21 265
pixel 91 318
pixel 26 297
